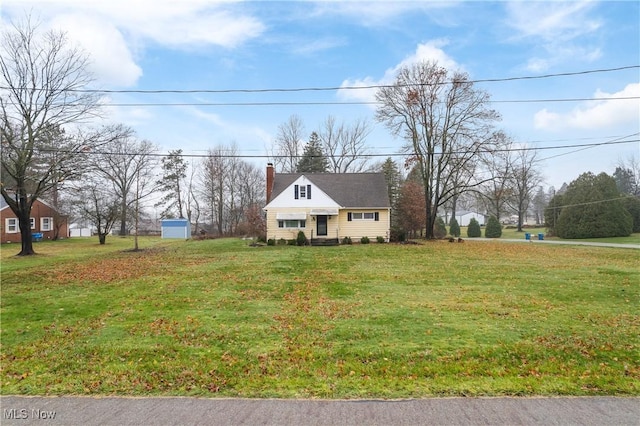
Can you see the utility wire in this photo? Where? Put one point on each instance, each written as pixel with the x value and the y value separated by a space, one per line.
pixel 396 154
pixel 311 103
pixel 624 197
pixel 335 88
pixel 619 139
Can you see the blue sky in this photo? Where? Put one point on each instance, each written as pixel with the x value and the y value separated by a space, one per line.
pixel 201 44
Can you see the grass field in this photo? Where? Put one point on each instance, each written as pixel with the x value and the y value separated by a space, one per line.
pixel 220 318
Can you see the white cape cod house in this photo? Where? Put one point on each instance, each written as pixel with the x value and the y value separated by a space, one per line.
pixel 327 206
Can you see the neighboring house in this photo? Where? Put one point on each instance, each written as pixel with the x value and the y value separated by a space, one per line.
pixel 464 217
pixel 327 206
pixel 42 222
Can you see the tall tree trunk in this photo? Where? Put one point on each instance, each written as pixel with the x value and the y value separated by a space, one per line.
pixel 24 223
pixel 123 217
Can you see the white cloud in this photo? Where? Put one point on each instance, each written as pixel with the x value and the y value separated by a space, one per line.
pixel 560 29
pixel 317 45
pixel 551 21
pixel 113 31
pixel 596 114
pixel 377 13
pixel 111 60
pixel 430 51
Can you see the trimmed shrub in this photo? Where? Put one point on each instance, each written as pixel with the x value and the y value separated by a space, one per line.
pixel 380 239
pixel 454 228
pixel 301 240
pixel 440 229
pixel 292 242
pixel 493 229
pixel 282 242
pixel 271 242
pixel 473 230
pixel 364 240
pixel 397 235
pixel 346 240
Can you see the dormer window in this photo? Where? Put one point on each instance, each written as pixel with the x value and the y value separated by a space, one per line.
pixel 302 192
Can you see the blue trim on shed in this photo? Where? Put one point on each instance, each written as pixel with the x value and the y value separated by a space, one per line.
pixel 177 223
pixel 176 228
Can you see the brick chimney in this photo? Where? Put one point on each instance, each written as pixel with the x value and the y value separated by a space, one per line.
pixel 271 173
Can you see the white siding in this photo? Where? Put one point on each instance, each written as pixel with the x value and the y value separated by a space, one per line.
pixel 287 197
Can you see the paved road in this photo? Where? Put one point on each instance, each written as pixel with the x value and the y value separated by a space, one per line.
pixel 571 242
pixel 19 410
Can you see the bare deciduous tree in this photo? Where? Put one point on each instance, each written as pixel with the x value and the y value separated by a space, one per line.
pixel 524 178
pixel 122 160
pixel 497 190
pixel 345 145
pixel 95 200
pixel 42 79
pixel 447 126
pixel 288 145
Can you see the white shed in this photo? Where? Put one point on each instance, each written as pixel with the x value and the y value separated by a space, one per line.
pixel 176 228
pixel 464 217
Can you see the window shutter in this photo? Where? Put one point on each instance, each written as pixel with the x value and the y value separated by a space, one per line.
pixel 308 192
pixel 295 192
pixel 349 217
pixel 377 215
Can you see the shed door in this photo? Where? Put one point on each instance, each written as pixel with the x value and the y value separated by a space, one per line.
pixel 321 227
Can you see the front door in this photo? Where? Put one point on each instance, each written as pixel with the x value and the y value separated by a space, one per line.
pixel 321 227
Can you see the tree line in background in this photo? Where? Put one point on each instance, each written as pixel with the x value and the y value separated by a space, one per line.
pixel 455 159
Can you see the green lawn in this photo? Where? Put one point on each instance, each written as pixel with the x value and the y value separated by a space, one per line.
pixel 220 318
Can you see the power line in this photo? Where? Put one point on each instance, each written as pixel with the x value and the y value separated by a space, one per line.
pixel 312 103
pixel 335 88
pixel 589 147
pixel 365 155
pixel 587 203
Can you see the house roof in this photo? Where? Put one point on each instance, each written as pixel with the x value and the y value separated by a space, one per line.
pixel 4 205
pixel 366 190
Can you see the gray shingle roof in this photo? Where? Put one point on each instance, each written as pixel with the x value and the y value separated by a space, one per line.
pixel 347 189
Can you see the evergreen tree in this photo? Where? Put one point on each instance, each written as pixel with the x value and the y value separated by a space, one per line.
pixel 593 209
pixel 493 229
pixel 313 159
pixel 174 171
pixel 454 228
pixel 440 230
pixel 473 230
pixel 392 176
pixel 632 205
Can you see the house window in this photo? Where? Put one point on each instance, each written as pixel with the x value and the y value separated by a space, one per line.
pixel 46 223
pixel 302 191
pixel 32 221
pixel 363 216
pixel 12 225
pixel 292 223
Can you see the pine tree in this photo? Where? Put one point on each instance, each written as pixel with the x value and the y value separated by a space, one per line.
pixel 493 229
pixel 440 229
pixel 174 171
pixel 593 209
pixel 313 159
pixel 454 228
pixel 473 230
